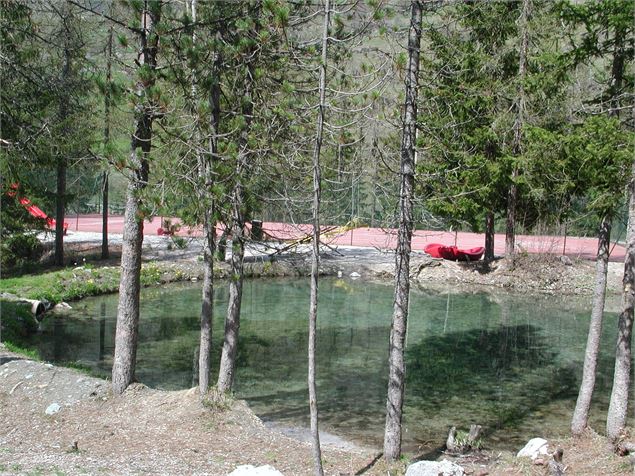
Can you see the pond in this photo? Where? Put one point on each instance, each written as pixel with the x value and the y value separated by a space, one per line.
pixel 508 362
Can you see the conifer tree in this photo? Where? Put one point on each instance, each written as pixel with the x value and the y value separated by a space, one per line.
pixel 146 109
pixel 396 362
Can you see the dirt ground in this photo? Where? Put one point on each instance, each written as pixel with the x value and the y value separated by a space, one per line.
pixel 58 421
pixel 144 431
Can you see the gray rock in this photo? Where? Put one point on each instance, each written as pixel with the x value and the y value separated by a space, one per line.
pixel 566 260
pixel 249 470
pixel 534 448
pixel 52 409
pixel 61 307
pixel 435 468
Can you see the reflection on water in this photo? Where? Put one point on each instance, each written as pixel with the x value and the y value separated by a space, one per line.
pixel 510 363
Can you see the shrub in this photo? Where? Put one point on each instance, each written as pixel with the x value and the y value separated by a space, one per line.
pixel 17 321
pixel 20 249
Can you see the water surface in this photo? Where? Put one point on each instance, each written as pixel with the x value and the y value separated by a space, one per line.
pixel 510 363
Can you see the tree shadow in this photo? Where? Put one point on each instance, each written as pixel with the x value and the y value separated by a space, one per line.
pixel 497 377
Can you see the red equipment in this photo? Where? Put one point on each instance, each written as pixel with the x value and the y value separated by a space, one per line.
pixel 34 210
pixel 453 253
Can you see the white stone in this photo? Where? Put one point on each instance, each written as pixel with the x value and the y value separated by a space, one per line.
pixel 435 468
pixel 52 409
pixel 62 306
pixel 249 470
pixel 534 448
pixel 354 275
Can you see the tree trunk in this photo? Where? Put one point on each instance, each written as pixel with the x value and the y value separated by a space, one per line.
pixel 397 366
pixel 127 331
pixel 60 194
pixel 581 413
pixel 204 171
pixel 232 321
pixel 60 207
pixel 510 227
pixel 512 195
pixel 227 368
pixel 104 228
pixel 207 306
pixel 315 242
pixel 209 237
pixel 489 237
pixel 618 406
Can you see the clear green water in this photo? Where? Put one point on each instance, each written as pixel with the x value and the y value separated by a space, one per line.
pixel 510 363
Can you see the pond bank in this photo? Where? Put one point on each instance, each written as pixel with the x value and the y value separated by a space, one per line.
pixel 89 276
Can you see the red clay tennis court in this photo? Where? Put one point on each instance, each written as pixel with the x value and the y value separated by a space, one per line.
pixel 575 247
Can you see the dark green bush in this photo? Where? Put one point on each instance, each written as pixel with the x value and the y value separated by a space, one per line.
pixel 19 249
pixel 17 322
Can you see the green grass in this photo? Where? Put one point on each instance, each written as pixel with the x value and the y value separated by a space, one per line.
pixel 32 354
pixel 83 368
pixel 63 285
pixel 72 284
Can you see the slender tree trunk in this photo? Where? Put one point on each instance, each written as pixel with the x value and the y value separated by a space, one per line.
pixel 489 237
pixel 315 242
pixel 60 194
pixel 104 228
pixel 618 406
pixel 209 236
pixel 60 207
pixel 581 413
pixel 512 195
pixel 397 366
pixel 232 321
pixel 207 306
pixel 127 331
pixel 227 368
pixel 205 177
pixel 373 207
pixel 510 226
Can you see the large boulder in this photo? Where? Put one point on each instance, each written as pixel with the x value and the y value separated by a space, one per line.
pixel 249 470
pixel 534 448
pixel 435 468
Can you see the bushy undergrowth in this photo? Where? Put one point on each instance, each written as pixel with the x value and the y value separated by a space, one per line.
pixel 20 249
pixel 16 322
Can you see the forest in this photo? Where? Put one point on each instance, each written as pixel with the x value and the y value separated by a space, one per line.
pixel 484 116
